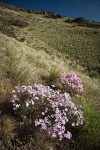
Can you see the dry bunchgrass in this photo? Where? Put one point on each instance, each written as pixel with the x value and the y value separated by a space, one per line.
pixel 23 63
pixel 7 127
pixel 5 89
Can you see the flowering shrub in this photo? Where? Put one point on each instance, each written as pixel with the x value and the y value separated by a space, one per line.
pixel 54 111
pixel 72 83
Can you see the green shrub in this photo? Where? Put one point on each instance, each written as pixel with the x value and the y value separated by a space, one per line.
pixel 94 74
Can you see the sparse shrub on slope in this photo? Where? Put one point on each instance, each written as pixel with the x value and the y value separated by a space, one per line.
pixel 52 110
pixel 72 84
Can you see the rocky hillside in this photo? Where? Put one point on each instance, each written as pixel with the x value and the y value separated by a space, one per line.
pixel 36 47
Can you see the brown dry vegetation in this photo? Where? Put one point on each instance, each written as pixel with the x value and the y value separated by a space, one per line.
pixel 36 49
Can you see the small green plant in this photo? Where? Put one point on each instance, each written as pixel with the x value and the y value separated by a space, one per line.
pixel 94 74
pixel 92 119
pixel 92 125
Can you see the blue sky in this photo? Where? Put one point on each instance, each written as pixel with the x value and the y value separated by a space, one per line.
pixel 89 9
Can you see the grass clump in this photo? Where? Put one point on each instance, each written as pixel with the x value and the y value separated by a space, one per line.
pixel 52 78
pixel 6 127
pixel 88 137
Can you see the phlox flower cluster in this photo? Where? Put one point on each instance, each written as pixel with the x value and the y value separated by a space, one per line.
pixel 58 112
pixel 72 83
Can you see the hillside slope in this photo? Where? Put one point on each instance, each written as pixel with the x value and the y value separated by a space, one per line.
pixel 38 49
pixel 79 43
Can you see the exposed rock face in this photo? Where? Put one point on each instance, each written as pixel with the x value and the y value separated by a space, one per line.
pixel 81 19
pixel 13 22
pixel 40 12
pixel 7 30
pixel 53 16
pixel 8 27
pixel 83 22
